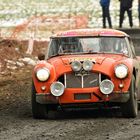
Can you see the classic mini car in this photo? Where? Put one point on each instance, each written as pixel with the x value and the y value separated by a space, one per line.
pixel 87 68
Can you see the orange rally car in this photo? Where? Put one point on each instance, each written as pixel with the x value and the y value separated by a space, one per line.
pixel 84 68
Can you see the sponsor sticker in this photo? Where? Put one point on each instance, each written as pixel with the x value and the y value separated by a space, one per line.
pixel 82 59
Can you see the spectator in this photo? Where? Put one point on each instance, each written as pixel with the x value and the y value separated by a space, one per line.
pixel 139 11
pixel 105 12
pixel 126 5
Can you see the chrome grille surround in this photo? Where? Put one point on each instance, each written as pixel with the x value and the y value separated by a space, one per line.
pixel 81 80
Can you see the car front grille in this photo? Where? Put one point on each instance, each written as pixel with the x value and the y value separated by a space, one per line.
pixel 72 80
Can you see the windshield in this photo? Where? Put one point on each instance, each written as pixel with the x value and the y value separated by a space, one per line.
pixel 78 45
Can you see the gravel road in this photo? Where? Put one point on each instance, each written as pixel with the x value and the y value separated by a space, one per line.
pixel 16 122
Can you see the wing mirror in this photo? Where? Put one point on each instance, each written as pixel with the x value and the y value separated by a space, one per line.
pixel 41 56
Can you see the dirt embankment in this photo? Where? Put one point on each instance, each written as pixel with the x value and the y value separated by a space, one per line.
pixel 13 54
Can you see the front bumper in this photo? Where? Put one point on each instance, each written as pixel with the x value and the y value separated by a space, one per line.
pixel 68 98
pixel 48 98
pixel 119 97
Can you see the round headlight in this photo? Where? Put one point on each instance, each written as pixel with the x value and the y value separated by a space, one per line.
pixel 43 74
pixel 121 71
pixel 87 65
pixel 106 87
pixel 57 89
pixel 76 66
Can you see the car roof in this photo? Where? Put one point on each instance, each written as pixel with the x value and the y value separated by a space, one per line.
pixel 90 32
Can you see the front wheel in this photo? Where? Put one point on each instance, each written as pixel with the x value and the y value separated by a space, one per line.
pixel 130 108
pixel 39 111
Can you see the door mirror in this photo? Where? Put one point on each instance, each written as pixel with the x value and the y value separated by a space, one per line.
pixel 41 56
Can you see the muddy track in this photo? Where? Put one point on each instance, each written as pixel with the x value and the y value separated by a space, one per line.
pixel 16 122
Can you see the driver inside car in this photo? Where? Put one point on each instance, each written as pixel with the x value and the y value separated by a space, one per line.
pixel 107 45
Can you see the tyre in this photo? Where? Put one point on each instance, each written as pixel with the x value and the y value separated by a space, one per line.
pixel 53 111
pixel 39 111
pixel 130 108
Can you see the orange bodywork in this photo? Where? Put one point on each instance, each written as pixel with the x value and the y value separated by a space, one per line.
pixel 103 64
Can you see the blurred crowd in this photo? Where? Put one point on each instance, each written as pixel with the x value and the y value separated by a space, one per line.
pixel 125 7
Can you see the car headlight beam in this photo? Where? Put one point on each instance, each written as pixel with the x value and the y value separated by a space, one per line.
pixel 43 74
pixel 121 71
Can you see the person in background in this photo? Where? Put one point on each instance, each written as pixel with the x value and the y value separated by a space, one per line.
pixel 139 11
pixel 105 12
pixel 126 5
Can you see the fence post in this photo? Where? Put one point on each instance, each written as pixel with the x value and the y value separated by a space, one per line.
pixel 30 43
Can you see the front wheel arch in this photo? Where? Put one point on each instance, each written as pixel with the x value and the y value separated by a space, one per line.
pixel 39 111
pixel 130 108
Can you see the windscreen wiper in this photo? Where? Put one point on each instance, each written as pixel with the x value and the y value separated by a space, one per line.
pixel 91 52
pixel 55 55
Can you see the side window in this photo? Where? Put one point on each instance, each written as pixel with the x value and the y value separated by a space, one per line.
pixel 132 47
pixel 48 53
pixel 53 48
